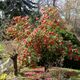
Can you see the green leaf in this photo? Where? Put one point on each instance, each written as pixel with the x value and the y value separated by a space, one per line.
pixel 29 39
pixel 53 37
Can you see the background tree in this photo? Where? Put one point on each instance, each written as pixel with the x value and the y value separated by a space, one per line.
pixel 54 2
pixel 17 7
pixel 72 13
pixel 46 2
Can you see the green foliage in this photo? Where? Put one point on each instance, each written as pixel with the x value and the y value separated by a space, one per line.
pixel 3 76
pixel 34 18
pixel 68 36
pixel 50 58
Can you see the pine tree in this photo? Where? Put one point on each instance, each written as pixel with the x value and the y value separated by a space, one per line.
pixel 17 7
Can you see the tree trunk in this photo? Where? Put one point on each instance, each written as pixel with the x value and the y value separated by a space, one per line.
pixel 54 1
pixel 14 58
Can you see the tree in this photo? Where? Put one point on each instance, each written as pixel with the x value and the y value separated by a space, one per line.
pixel 42 3
pixel 14 58
pixel 17 7
pixel 54 2
pixel 72 13
pixel 11 51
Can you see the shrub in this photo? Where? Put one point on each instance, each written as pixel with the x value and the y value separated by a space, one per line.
pixel 46 44
pixel 3 76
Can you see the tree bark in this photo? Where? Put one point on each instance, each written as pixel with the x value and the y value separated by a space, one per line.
pixel 14 58
pixel 54 1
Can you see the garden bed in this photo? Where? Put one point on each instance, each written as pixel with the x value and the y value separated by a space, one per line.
pixel 54 73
